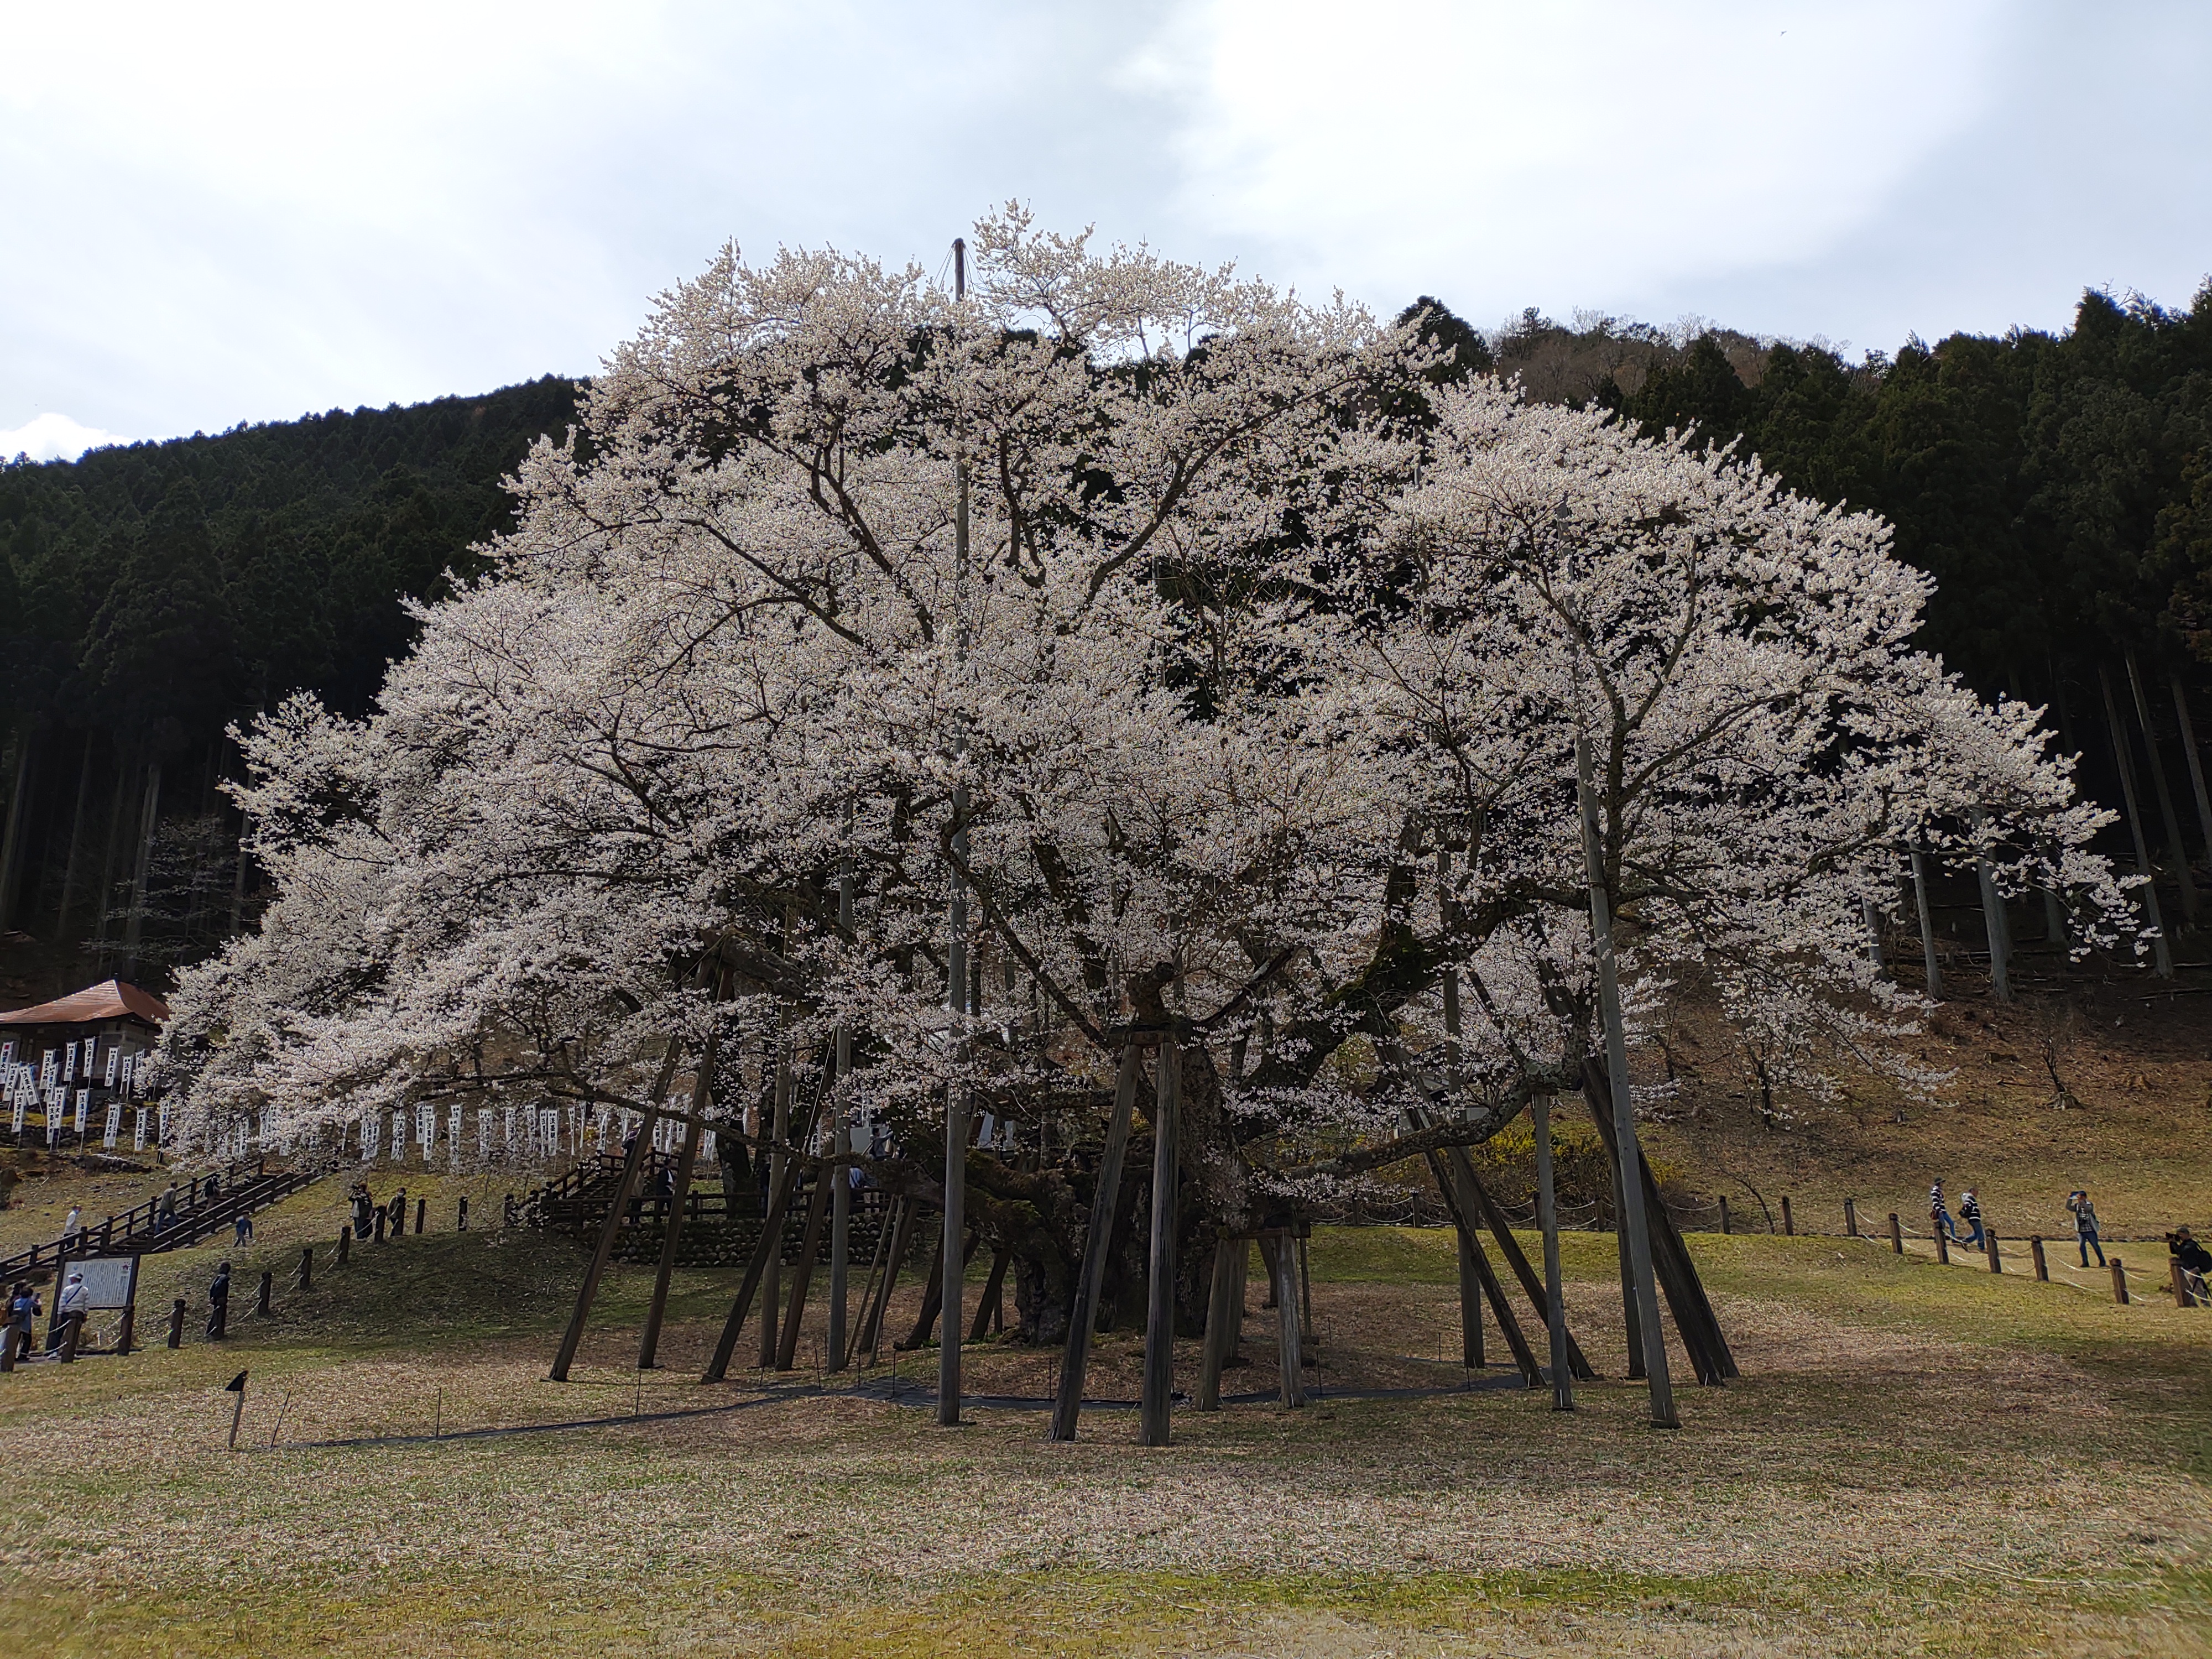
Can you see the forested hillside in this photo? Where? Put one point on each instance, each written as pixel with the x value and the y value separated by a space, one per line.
pixel 2058 488
pixel 153 594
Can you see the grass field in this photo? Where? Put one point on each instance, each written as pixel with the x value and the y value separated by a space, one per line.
pixel 1917 1459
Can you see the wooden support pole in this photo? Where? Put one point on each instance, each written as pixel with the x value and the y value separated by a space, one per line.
pixel 994 1290
pixel 1850 1219
pixel 840 1148
pixel 1896 1234
pixel 261 1294
pixel 770 1249
pixel 345 1242
pixel 633 1161
pixel 1524 1356
pixel 1225 1313
pixel 1631 1319
pixel 1702 1339
pixel 1789 1222
pixel 422 1212
pixel 2119 1282
pixel 802 1271
pixel 932 1293
pixel 1501 1229
pixel 2181 1296
pixel 1090 1276
pixel 1942 1246
pixel 781 1168
pixel 1548 1221
pixel 893 1240
pixel 306 1266
pixel 1290 1358
pixel 649 1344
pixel 1159 1302
pixel 461 1214
pixel 2042 1268
pixel 1990 1249
pixel 1725 1215
pixel 1470 1303
pixel 177 1324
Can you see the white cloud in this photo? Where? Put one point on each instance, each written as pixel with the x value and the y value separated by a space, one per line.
pixel 52 437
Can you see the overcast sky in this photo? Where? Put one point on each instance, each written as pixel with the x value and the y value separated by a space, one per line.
pixel 227 212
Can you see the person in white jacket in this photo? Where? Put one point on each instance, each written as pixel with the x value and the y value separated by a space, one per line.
pixel 76 1302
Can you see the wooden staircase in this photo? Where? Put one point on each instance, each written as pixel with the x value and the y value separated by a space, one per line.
pixel 575 1202
pixel 240 1187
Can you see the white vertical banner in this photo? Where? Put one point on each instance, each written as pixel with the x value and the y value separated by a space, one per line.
pixel 507 1128
pixel 114 1123
pixel 7 1054
pixel 549 1130
pixel 114 1062
pixel 398 1135
pixel 453 1134
pixel 16 1115
pixel 372 1132
pixel 69 1064
pixel 84 1109
pixel 49 1063
pixel 604 1117
pixel 426 1129
pixel 483 1134
pixel 707 1148
pixel 165 1123
pixel 138 1131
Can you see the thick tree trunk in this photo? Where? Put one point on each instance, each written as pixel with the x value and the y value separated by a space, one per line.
pixel 72 868
pixel 11 849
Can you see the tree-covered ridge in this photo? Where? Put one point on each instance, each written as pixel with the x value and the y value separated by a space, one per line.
pixel 152 594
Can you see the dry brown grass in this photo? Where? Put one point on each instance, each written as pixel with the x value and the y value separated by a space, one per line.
pixel 1915 1461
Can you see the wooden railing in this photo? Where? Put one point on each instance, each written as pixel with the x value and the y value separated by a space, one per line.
pixel 240 1187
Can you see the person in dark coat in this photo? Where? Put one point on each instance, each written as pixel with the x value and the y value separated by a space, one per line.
pixel 219 1303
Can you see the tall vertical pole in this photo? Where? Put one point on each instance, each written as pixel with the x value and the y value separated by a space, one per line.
pixel 780 1165
pixel 2161 957
pixel 2168 816
pixel 1159 1312
pixel 840 1148
pixel 2195 763
pixel 134 924
pixel 1548 1218
pixel 703 1091
pixel 955 976
pixel 1637 1236
pixel 1926 922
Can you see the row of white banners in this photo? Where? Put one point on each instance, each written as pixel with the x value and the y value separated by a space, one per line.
pixel 542 1132
pixel 145 1123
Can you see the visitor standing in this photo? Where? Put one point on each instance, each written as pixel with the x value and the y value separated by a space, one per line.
pixel 2085 1225
pixel 72 1226
pixel 75 1305
pixel 1939 1212
pixel 165 1214
pixel 219 1303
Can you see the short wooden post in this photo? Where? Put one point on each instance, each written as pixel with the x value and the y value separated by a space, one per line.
pixel 399 1214
pixel 461 1218
pixel 177 1324
pixel 75 1323
pixel 7 1347
pixel 379 1224
pixel 1990 1249
pixel 261 1296
pixel 2120 1282
pixel 423 1209
pixel 1724 1213
pixel 1896 1234
pixel 1850 1219
pixel 1548 1222
pixel 1942 1246
pixel 345 1242
pixel 2042 1268
pixel 306 1266
pixel 1789 1223
pixel 2181 1296
pixel 126 1328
